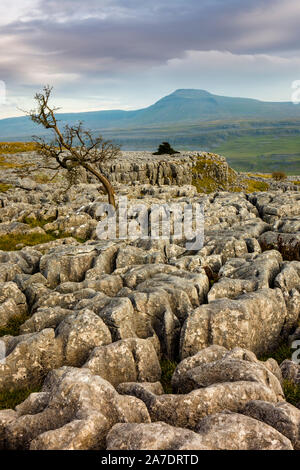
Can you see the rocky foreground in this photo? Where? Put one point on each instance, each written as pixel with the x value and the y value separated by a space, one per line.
pixel 86 324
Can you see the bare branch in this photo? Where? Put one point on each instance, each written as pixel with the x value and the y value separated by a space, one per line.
pixel 73 147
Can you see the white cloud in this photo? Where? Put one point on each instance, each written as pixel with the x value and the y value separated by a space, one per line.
pixel 262 76
pixel 14 10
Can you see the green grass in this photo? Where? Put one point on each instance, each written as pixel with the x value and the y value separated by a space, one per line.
pixel 249 145
pixel 260 175
pixel 42 178
pixel 291 392
pixel 4 187
pixel 5 165
pixel 282 352
pixel 253 186
pixel 203 178
pixel 167 369
pixel 10 242
pixel 16 147
pixel 12 328
pixel 263 153
pixel 38 222
pixel 9 400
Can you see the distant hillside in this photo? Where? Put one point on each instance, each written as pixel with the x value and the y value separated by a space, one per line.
pixel 181 108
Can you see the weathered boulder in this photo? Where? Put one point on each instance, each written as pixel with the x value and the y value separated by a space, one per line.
pixel 27 259
pixel 44 318
pixel 29 358
pixel 79 411
pixel 12 302
pixel 289 277
pixel 282 416
pixel 79 333
pixel 225 245
pixel 105 261
pixel 153 436
pixel 187 410
pixel 9 271
pixel 69 263
pixel 288 244
pixel 210 354
pixel 260 269
pixel 128 360
pixel 77 225
pixel 228 369
pixel 17 228
pixel 118 315
pixel 290 371
pixel 126 388
pixel 110 285
pixel 233 431
pixel 132 255
pixel 230 288
pixel 252 321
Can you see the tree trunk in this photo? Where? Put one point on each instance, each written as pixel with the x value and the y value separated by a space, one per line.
pixel 106 183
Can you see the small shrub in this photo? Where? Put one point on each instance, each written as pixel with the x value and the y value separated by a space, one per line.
pixel 165 149
pixel 167 370
pixel 278 175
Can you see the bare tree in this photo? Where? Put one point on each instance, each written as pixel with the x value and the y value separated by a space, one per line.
pixel 73 147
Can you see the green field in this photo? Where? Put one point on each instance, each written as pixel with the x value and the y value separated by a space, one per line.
pixel 254 146
pixel 264 153
pixel 248 145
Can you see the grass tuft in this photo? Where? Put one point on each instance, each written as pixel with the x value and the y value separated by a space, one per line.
pixel 4 187
pixel 42 178
pixel 253 186
pixel 14 242
pixel 17 147
pixel 291 392
pixel 9 400
pixel 12 328
pixel 37 222
pixel 10 242
pixel 167 370
pixel 282 352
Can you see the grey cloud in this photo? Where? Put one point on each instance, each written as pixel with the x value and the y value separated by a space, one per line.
pixel 99 41
pixel 146 36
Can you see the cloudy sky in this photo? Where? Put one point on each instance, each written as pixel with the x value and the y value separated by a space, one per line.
pixel 126 54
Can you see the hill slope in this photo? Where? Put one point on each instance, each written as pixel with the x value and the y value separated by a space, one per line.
pixel 181 107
